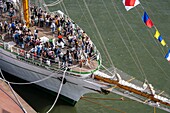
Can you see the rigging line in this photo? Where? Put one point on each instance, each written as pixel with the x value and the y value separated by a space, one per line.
pixel 138 64
pixel 61 85
pixel 56 11
pixel 61 7
pixel 98 33
pixel 36 2
pixel 108 70
pixel 46 8
pixel 33 82
pixel 154 27
pixel 92 31
pixel 98 98
pixel 161 49
pixel 81 18
pixel 13 92
pixel 146 48
pixel 53 4
pixel 152 56
pixel 39 1
pixel 107 107
pixel 65 8
pixel 147 7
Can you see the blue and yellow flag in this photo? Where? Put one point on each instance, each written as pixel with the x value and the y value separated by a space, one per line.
pixel 157 34
pixel 159 37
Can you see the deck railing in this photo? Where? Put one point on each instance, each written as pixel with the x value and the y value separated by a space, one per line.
pixel 53 64
pixel 39 60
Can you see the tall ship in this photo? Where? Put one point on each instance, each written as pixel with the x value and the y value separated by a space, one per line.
pixel 68 52
pixel 53 52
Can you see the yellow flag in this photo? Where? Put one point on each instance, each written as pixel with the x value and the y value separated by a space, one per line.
pixel 163 42
pixel 157 34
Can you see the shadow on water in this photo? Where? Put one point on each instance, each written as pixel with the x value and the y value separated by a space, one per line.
pixel 39 99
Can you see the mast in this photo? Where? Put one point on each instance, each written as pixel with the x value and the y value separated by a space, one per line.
pixel 25 4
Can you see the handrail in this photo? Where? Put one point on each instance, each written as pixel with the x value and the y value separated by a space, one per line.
pixel 38 60
pixel 22 54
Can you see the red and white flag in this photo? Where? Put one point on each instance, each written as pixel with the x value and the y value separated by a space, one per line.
pixel 129 4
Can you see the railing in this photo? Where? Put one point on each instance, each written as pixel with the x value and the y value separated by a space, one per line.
pixel 38 60
pixel 52 64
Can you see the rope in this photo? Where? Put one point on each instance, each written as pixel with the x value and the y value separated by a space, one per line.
pixel 98 32
pixel 121 99
pixel 58 92
pixel 53 4
pixel 156 42
pixel 65 8
pixel 61 7
pixel 108 70
pixel 46 8
pixel 107 107
pixel 154 108
pixel 138 64
pixel 27 83
pixel 21 106
pixel 144 45
pixel 149 53
pixel 92 30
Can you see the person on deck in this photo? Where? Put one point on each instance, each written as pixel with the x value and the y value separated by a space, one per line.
pixel 1 25
pixel 41 21
pixel 47 21
pixel 5 26
pixel 4 8
pixel 13 26
pixel 36 21
pixel 1 7
pixel 8 5
pixel 53 27
pixel 35 33
pixel 16 37
pixel 57 51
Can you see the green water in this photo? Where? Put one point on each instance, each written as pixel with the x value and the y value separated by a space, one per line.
pixel 136 52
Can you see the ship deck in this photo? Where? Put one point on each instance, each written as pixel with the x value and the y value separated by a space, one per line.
pixel 87 65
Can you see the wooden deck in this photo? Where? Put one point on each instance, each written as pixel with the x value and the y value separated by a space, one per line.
pixel 8 102
pixel 46 32
pixel 92 64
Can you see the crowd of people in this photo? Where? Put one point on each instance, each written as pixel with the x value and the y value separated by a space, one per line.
pixel 70 44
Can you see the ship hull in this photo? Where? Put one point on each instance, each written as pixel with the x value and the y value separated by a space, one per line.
pixel 73 88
